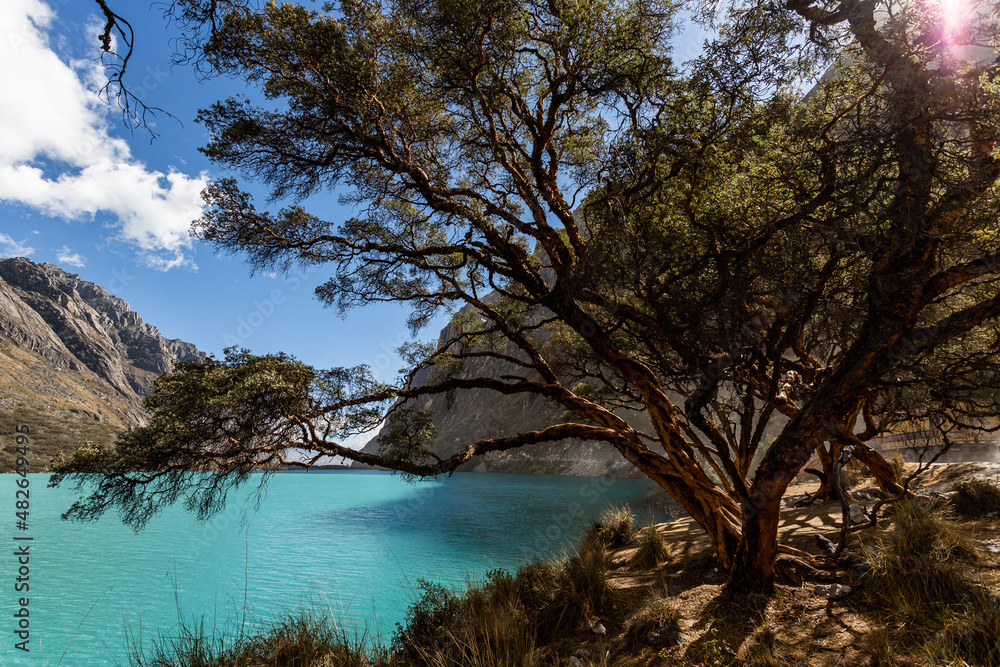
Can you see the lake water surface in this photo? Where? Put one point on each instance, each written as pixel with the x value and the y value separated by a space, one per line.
pixel 352 544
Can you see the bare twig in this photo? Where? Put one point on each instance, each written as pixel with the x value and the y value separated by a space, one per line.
pixel 135 112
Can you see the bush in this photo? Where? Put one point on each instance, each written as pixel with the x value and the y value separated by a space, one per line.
pixel 427 620
pixel 614 528
pixel 651 549
pixel 976 497
pixel 503 619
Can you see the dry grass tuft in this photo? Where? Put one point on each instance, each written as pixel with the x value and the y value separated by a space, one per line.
pixel 657 623
pixel 651 549
pixel 583 591
pixel 614 528
pixel 852 476
pixel 919 572
pixel 976 497
pixel 305 640
pixel 503 620
pixel 878 647
pixel 758 649
pixel 898 465
pixel 492 631
pixel 974 635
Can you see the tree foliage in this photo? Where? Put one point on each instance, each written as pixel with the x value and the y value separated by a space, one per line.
pixel 696 240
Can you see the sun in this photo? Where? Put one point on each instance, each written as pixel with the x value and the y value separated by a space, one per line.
pixel 954 16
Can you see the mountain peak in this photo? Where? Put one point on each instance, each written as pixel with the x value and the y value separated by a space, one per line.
pixel 55 324
pixel 75 323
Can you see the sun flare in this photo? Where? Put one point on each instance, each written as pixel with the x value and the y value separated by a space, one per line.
pixel 954 15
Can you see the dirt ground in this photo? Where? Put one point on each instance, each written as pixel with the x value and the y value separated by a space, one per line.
pixel 810 629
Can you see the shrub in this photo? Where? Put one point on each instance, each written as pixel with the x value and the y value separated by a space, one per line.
pixel 427 620
pixel 651 549
pixel 503 619
pixel 976 497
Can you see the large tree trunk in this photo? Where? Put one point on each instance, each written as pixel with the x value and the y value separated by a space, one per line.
pixel 753 568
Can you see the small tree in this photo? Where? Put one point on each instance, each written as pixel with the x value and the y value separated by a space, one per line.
pixel 696 241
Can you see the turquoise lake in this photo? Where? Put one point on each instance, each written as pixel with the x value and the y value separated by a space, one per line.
pixel 352 544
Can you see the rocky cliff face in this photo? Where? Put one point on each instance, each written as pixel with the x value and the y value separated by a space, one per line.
pixel 472 415
pixel 77 325
pixel 70 350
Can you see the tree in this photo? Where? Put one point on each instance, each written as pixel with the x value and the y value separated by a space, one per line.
pixel 694 240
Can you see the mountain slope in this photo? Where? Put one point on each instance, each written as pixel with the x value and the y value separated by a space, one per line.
pixel 471 415
pixel 75 361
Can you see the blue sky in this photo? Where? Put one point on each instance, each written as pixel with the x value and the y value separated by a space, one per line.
pixel 79 190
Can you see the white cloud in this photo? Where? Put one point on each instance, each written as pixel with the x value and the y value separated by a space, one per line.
pixel 66 256
pixel 57 153
pixel 11 248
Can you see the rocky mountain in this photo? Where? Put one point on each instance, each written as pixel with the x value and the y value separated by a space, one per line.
pixel 76 361
pixel 472 415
